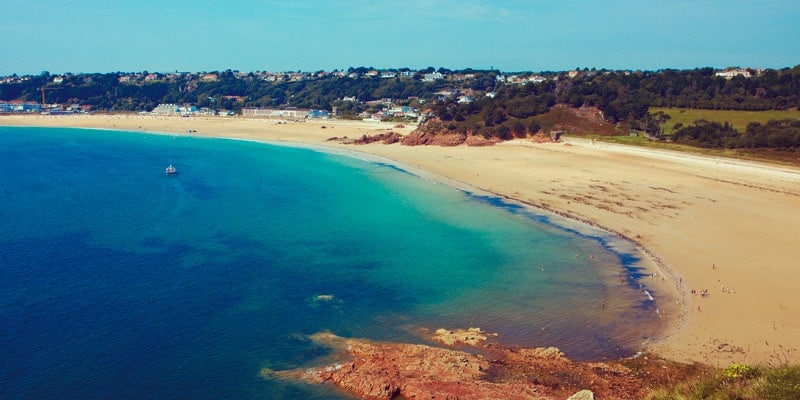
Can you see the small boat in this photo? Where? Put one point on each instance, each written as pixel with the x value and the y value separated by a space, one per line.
pixel 171 170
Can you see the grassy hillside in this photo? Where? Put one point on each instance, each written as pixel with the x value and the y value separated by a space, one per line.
pixel 739 119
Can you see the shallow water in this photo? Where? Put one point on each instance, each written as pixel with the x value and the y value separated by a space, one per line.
pixel 118 281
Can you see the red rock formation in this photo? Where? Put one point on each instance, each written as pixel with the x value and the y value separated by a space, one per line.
pixel 385 138
pixel 376 370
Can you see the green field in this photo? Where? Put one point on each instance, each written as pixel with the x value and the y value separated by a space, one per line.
pixel 739 119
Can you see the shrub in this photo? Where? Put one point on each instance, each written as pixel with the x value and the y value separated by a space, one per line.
pixel 780 383
pixel 736 371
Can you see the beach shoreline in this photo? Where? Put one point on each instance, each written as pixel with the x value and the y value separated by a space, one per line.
pixel 647 197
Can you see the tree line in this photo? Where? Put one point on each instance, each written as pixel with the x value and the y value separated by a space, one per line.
pixel 775 134
pixel 620 94
pixel 497 108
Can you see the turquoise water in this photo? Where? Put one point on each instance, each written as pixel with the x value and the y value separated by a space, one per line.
pixel 118 281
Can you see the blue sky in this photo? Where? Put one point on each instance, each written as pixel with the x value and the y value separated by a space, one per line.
pixel 82 36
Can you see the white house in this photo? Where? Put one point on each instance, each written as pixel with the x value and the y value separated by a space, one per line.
pixel 730 73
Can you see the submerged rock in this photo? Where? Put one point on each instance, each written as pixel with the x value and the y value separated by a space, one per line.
pixel 471 336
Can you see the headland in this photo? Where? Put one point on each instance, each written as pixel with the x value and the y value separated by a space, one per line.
pixel 722 233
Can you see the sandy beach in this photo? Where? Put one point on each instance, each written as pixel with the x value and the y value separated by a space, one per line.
pixel 719 227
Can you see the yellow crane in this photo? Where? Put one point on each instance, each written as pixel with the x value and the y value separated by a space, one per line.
pixel 43 88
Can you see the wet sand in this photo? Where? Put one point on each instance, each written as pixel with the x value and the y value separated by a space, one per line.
pixel 717 226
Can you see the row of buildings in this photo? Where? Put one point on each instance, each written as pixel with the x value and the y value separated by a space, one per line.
pixel 25 107
pixel 288 113
pixel 293 113
pixel 20 107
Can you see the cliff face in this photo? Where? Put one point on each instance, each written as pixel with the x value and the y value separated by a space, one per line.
pixel 435 132
pixel 377 370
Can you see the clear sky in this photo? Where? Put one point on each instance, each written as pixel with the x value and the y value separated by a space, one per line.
pixel 82 36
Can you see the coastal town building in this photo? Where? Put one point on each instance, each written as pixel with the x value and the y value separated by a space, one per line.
pixel 433 76
pixel 405 111
pixel 174 109
pixel 465 99
pixel 165 109
pixel 294 113
pixel 20 107
pixel 319 114
pixel 730 73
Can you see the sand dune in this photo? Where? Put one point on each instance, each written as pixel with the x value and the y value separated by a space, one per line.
pixel 731 228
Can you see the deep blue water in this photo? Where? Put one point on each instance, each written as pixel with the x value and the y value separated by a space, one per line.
pixel 118 281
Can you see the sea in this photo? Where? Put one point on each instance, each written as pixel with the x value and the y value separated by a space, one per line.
pixel 118 281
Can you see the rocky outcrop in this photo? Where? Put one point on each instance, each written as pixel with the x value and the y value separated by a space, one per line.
pixel 378 370
pixel 387 370
pixel 385 138
pixel 419 138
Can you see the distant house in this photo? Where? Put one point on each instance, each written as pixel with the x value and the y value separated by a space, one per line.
pixel 165 109
pixel 730 73
pixel 151 77
pixel 209 77
pixel 58 79
pixel 388 74
pixel 404 111
pixel 433 76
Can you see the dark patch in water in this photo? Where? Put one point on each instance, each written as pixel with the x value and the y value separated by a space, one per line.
pixel 196 188
pixel 394 167
pixel 629 261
